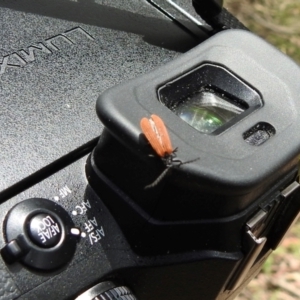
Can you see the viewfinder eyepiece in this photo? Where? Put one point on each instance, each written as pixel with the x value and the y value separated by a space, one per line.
pixel 210 98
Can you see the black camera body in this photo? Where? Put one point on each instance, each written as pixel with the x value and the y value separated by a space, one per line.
pixel 78 220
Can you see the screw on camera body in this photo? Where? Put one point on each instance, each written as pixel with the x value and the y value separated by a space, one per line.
pixel 157 135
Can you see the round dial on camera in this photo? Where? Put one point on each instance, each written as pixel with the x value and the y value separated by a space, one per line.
pixel 40 234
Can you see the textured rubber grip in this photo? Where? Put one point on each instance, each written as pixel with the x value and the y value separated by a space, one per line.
pixel 8 289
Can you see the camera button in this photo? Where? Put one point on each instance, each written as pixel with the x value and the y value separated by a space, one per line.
pixel 40 234
pixel 44 230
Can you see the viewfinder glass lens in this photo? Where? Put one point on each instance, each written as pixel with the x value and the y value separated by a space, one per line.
pixel 206 111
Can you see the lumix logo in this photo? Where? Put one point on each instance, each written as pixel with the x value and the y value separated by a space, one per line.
pixel 21 58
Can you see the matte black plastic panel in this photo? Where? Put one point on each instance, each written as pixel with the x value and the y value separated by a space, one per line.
pixel 56 57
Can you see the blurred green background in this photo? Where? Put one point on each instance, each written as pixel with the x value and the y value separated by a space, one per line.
pixel 277 21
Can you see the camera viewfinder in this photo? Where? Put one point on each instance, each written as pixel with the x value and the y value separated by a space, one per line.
pixel 209 98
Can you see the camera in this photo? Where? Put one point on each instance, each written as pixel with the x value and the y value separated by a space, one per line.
pixel 90 208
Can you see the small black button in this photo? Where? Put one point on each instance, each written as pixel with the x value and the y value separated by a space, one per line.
pixel 44 230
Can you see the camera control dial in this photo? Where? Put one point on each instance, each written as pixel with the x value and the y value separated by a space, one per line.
pixel 107 291
pixel 40 234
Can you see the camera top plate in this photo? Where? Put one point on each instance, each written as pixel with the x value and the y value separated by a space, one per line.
pixel 56 58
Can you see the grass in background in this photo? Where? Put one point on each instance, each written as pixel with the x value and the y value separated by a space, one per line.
pixel 277 21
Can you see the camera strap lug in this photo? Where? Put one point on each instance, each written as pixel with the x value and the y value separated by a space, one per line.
pixel 291 210
pixel 259 226
pixel 256 223
pixel 254 244
pixel 290 189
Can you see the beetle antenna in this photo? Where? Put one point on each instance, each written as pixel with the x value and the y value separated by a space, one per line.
pixel 158 179
pixel 189 161
pixel 166 170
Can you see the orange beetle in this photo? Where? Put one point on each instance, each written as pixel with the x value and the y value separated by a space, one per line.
pixel 157 135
